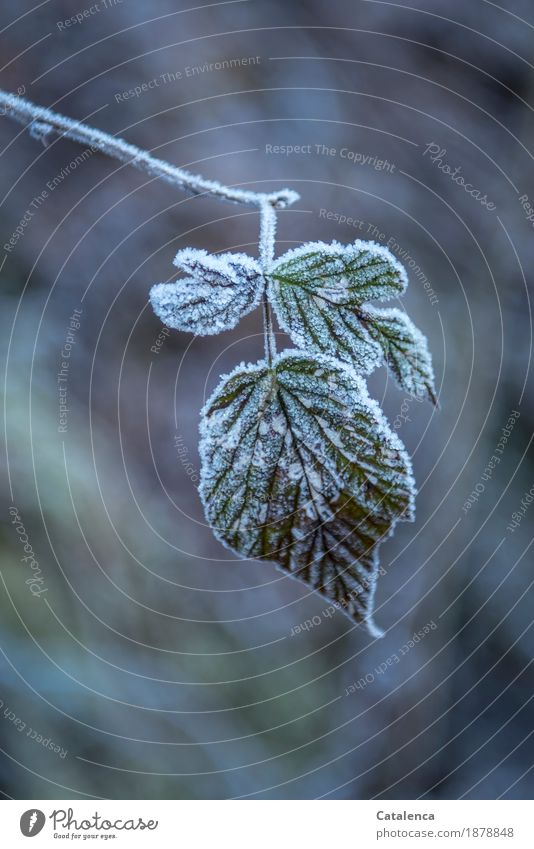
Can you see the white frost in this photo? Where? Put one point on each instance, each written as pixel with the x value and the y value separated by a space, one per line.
pixel 221 290
pixel 300 487
pixel 319 293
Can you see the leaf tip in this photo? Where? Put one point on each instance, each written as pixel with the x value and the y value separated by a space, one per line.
pixel 373 628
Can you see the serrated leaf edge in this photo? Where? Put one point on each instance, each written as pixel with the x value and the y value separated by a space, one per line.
pixel 409 514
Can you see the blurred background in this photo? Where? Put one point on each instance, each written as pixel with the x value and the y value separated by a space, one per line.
pixel 146 661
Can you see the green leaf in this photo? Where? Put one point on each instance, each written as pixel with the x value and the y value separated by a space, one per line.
pixel 318 292
pixel 342 274
pixel 300 467
pixel 405 350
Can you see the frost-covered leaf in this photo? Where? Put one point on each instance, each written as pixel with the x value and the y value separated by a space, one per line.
pixel 405 350
pixel 220 291
pixel 319 292
pixel 343 274
pixel 300 467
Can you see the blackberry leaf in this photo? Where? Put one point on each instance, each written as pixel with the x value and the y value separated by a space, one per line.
pixel 299 467
pixel 221 290
pixel 319 293
pixel 405 350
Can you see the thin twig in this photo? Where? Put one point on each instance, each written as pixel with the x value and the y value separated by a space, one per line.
pixel 44 122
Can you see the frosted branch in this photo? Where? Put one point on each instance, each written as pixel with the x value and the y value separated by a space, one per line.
pixel 43 123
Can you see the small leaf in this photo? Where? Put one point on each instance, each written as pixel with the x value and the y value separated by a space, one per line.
pixel 343 274
pixel 317 291
pixel 221 291
pixel 405 350
pixel 300 467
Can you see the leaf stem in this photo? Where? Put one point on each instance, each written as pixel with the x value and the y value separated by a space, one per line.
pixel 268 335
pixel 43 122
pixel 266 246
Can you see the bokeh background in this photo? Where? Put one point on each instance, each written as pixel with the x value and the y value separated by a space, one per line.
pixel 159 665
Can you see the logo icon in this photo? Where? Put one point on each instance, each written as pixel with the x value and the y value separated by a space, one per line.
pixel 32 822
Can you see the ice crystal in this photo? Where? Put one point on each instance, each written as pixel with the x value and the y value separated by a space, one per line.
pixel 303 470
pixel 221 290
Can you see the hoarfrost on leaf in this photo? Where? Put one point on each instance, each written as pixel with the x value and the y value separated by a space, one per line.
pixel 317 495
pixel 221 290
pixel 405 350
pixel 318 292
pixel 361 271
